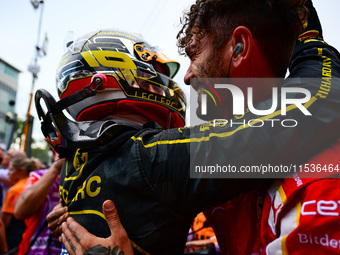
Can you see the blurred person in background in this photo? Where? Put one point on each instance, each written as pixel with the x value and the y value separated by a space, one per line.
pixel 201 238
pixel 3 243
pixel 2 152
pixel 39 196
pixel 5 181
pixel 19 169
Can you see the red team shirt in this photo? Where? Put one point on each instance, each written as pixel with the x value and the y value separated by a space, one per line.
pixel 295 216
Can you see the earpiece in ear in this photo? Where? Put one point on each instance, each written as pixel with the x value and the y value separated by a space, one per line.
pixel 238 49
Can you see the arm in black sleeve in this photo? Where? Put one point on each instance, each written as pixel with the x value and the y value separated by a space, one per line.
pixel 315 66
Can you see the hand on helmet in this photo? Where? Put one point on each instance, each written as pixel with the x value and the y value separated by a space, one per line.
pixel 313 28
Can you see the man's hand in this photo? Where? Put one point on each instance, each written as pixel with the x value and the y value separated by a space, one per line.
pixel 32 198
pixel 55 218
pixel 57 165
pixel 313 20
pixel 78 240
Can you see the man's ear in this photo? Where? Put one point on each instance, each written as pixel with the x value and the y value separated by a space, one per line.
pixel 242 41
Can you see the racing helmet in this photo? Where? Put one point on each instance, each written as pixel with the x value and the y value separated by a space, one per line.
pixel 137 78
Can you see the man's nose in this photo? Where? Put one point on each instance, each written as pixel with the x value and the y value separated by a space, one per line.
pixel 189 74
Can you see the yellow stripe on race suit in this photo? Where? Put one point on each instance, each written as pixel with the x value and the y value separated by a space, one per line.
pixel 282 195
pixel 284 245
pixel 138 248
pixel 298 213
pixel 89 212
pixel 221 135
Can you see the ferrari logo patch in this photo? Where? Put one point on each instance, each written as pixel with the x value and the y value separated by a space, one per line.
pixel 80 159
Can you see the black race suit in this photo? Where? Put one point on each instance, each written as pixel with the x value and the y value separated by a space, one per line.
pixel 148 176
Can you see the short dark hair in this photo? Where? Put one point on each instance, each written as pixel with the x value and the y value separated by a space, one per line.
pixel 275 23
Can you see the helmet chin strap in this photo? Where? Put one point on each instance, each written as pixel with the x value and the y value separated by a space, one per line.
pixel 168 123
pixel 90 90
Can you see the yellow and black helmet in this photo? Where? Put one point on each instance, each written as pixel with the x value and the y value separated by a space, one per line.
pixel 136 76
